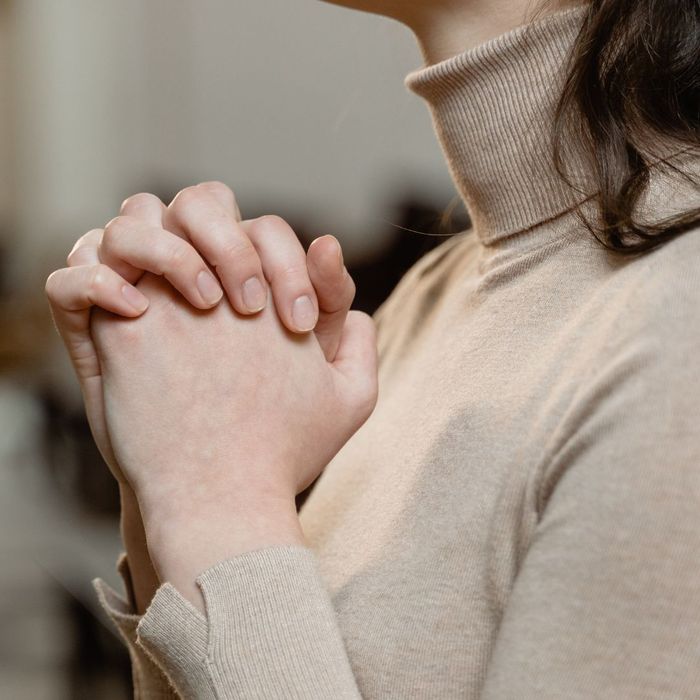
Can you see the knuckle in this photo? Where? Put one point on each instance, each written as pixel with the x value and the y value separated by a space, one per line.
pixel 219 189
pixel 294 268
pixel 338 299
pixel 98 277
pixel 93 236
pixel 272 225
pixel 242 252
pixel 115 228
pixel 176 255
pixel 291 270
pixel 70 258
pixel 51 285
pixel 185 199
pixel 138 200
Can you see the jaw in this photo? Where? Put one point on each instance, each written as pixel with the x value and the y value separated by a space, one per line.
pixel 445 28
pixel 401 10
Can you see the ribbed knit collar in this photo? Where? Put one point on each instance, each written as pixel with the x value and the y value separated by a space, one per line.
pixel 493 110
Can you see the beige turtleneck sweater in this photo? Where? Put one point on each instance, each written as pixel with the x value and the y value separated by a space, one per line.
pixel 520 516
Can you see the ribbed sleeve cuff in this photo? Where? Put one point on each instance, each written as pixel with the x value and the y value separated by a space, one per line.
pixel 149 681
pixel 271 631
pixel 175 634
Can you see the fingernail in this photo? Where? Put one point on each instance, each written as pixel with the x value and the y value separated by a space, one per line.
pixel 134 298
pixel 254 296
pixel 304 313
pixel 208 287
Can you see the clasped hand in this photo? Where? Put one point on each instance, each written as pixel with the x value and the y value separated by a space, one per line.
pixel 215 414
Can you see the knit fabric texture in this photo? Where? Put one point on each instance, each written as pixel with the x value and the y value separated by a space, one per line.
pixel 520 516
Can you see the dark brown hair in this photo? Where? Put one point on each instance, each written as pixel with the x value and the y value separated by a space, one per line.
pixel 633 79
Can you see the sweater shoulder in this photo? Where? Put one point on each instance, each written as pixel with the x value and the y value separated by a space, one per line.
pixel 634 377
pixel 663 292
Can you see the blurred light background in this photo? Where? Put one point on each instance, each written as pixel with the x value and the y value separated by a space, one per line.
pixel 299 106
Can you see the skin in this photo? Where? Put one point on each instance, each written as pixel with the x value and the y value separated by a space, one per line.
pixel 217 457
pixel 209 462
pixel 99 271
pixel 445 28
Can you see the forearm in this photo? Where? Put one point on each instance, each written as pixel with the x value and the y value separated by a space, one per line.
pixel 144 579
pixel 269 628
pixel 187 539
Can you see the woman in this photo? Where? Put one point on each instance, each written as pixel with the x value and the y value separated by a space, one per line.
pixel 519 516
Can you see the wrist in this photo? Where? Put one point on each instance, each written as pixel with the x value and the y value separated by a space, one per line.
pixel 184 542
pixel 143 579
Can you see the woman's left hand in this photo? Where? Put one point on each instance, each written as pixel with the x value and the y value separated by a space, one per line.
pixel 218 420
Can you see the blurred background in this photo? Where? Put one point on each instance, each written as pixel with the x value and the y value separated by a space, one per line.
pixel 300 107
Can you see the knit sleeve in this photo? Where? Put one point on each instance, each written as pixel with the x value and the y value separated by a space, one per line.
pixel 606 603
pixel 270 631
pixel 149 681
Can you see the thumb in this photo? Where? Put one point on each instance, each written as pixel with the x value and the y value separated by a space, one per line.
pixel 335 291
pixel 356 360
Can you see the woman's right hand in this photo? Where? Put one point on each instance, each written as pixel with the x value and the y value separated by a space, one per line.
pixel 105 264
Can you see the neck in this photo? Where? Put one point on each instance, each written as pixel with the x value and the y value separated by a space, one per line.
pixel 493 107
pixel 449 27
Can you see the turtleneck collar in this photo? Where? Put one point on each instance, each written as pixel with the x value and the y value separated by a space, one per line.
pixel 493 110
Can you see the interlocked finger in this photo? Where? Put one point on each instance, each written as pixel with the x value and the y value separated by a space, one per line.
pixel 284 262
pixel 85 250
pixel 215 232
pixel 130 242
